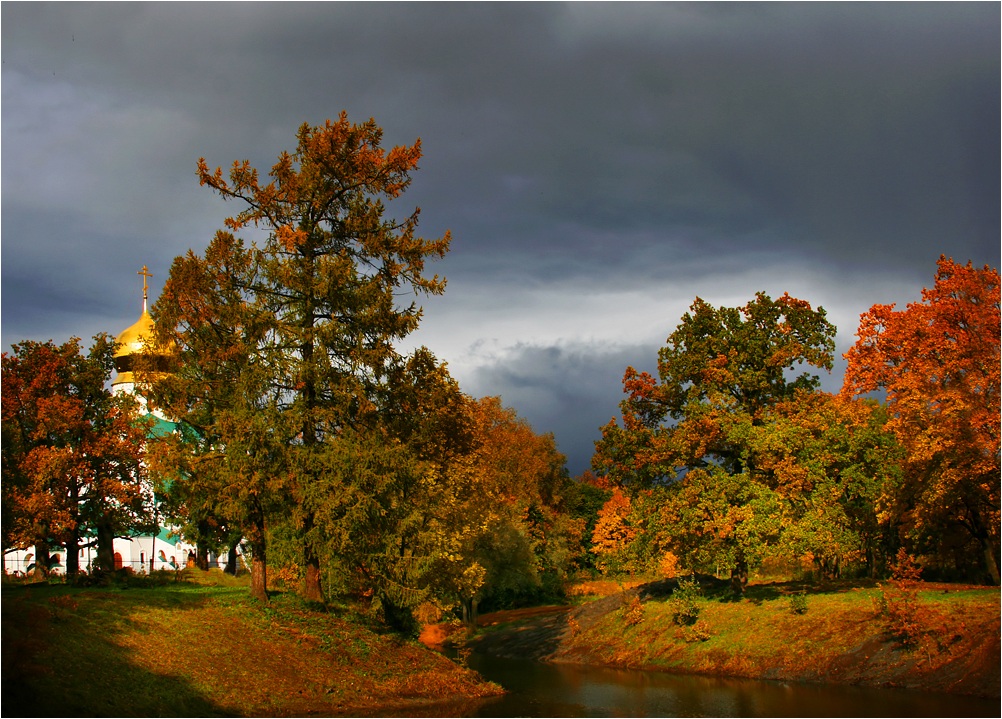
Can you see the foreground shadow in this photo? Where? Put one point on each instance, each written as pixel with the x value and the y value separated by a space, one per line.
pixel 57 664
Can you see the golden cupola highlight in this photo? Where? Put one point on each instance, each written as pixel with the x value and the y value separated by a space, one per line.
pixel 135 353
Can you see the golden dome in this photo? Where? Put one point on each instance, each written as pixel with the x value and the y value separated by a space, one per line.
pixel 131 339
pixel 132 342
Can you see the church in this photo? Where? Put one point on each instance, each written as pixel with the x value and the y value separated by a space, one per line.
pixel 141 553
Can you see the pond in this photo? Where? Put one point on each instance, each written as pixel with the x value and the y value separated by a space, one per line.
pixel 554 690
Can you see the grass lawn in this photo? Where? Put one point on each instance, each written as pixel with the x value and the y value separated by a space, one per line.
pixel 941 638
pixel 206 649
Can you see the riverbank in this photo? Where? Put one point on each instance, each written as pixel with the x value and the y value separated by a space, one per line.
pixel 186 649
pixel 930 637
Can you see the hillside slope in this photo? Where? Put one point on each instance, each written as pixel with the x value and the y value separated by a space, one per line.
pixel 188 650
pixel 947 637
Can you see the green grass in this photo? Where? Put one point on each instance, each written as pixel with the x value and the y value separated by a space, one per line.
pixel 842 636
pixel 205 648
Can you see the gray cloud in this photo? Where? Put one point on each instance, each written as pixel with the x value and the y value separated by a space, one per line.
pixel 599 164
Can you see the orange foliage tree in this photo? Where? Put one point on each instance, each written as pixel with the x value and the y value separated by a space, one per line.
pixel 938 361
pixel 613 531
pixel 517 540
pixel 72 452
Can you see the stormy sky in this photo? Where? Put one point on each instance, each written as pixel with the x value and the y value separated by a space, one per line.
pixel 599 165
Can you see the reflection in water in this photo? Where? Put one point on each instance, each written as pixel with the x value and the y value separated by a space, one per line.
pixel 537 689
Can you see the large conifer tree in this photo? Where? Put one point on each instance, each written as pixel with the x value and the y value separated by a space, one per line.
pixel 324 284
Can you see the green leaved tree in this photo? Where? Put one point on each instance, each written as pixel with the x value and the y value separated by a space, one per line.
pixel 226 464
pixel 322 294
pixel 721 372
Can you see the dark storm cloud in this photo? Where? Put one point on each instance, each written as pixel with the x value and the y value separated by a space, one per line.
pixel 575 389
pixel 599 164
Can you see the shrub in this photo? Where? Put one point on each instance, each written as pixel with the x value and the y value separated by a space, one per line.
pixel 287 575
pixel 428 613
pixel 574 626
pixel 905 569
pixel 915 625
pixel 698 632
pixel 798 603
pixel 684 605
pixel 633 612
pixel 669 566
pixel 901 615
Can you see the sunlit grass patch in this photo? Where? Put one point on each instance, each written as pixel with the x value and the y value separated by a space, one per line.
pixel 205 649
pixel 843 636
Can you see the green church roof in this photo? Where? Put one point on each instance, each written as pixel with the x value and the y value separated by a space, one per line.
pixel 161 427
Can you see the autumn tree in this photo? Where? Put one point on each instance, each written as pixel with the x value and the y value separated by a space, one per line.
pixel 938 362
pixel 516 537
pixel 330 270
pixel 225 463
pixel 832 462
pixel 612 531
pixel 584 497
pixel 442 499
pixel 72 452
pixel 713 517
pixel 389 514
pixel 721 369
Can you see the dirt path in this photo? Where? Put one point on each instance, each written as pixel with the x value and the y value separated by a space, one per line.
pixel 437 636
pixel 519 615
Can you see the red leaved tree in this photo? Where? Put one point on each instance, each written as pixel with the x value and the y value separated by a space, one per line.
pixel 72 452
pixel 938 361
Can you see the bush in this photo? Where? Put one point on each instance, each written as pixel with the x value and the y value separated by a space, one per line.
pixel 633 612
pixel 798 603
pixel 684 605
pixel 669 566
pixel 698 632
pixel 914 624
pixel 286 576
pixel 901 615
pixel 905 569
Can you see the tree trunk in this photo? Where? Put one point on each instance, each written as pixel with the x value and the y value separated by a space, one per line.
pixel 311 590
pixel 987 550
pixel 991 566
pixel 259 559
pixel 470 613
pixel 41 559
pixel 259 574
pixel 739 576
pixel 73 553
pixel 105 547
pixel 871 560
pixel 73 541
pixel 202 557
pixel 231 558
pixel 201 547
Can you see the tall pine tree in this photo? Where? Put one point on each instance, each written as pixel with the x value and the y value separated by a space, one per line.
pixel 324 284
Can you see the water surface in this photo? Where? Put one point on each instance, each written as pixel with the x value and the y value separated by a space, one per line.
pixel 554 690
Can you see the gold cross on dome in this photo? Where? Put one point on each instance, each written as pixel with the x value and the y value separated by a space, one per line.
pixel 145 274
